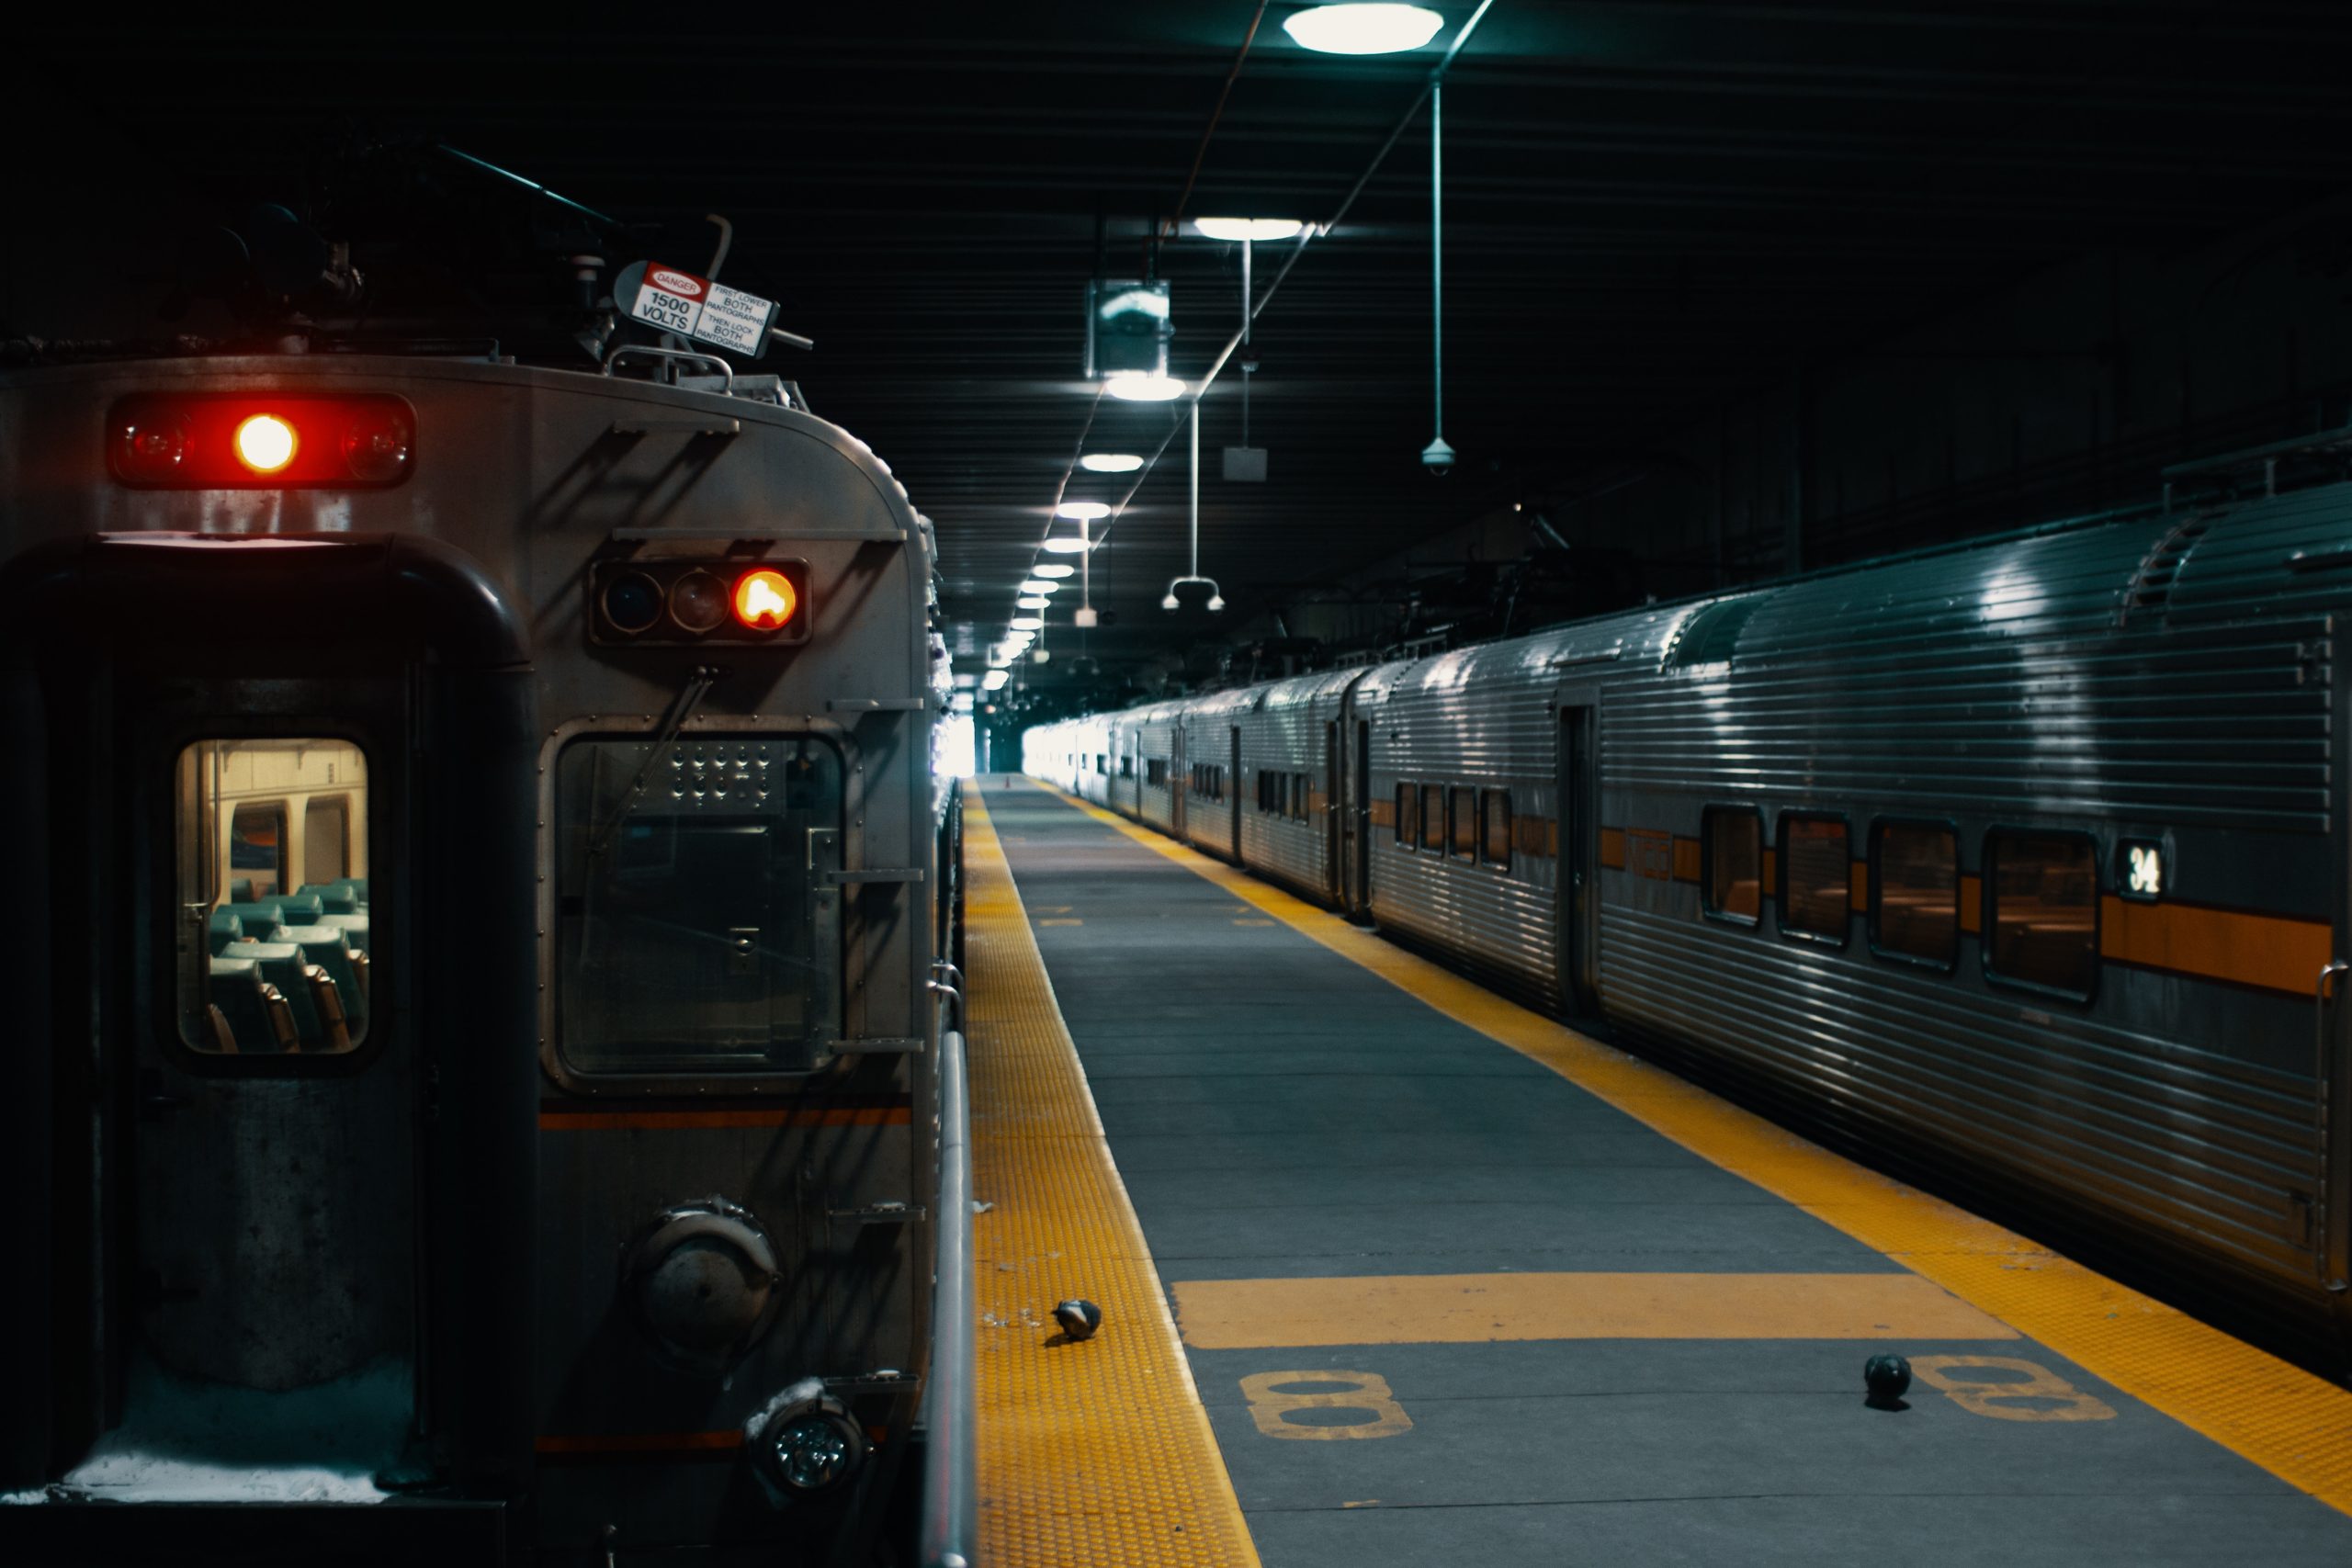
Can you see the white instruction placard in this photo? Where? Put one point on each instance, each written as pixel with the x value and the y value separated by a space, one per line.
pixel 711 312
pixel 735 319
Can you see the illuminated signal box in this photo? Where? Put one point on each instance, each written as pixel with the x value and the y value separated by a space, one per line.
pixel 686 603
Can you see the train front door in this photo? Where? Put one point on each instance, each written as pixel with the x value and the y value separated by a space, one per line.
pixel 306 1064
pixel 1578 832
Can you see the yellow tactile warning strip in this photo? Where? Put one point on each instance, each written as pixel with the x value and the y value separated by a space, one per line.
pixel 2293 1425
pixel 1096 1453
pixel 1479 1309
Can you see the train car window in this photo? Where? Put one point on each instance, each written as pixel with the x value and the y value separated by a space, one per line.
pixel 1494 817
pixel 1816 876
pixel 1408 815
pixel 1155 771
pixel 1914 892
pixel 270 929
pixel 695 931
pixel 1463 820
pixel 1302 798
pixel 2043 891
pixel 1433 818
pixel 1732 849
pixel 257 847
pixel 1127 767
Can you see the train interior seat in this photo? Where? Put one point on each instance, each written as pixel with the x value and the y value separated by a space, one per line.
pixel 299 910
pixel 352 927
pixel 335 897
pixel 258 915
pixel 323 947
pixel 223 927
pixel 281 965
pixel 241 1001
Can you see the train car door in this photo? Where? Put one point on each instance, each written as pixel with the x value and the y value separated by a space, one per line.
pixel 1360 823
pixel 1329 796
pixel 1233 791
pixel 1179 780
pixel 1578 832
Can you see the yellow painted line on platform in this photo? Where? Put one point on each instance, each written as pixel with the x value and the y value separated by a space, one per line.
pixel 2294 1425
pixel 1471 1309
pixel 1096 1453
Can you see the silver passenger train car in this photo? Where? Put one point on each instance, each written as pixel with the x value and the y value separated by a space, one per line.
pixel 476 980
pixel 2026 859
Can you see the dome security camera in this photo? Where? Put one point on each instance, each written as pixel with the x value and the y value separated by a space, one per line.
pixel 1437 459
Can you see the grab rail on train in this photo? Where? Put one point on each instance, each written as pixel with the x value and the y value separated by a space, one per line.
pixel 949 1512
pixel 949 1519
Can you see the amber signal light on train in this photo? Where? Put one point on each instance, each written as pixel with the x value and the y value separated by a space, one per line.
pixel 248 441
pixel 671 602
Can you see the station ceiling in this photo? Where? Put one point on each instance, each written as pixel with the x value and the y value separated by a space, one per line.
pixel 1651 205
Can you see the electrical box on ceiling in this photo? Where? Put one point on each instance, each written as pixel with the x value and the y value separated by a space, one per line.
pixel 1246 465
pixel 1128 327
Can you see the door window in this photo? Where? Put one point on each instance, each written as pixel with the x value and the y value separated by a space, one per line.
pixel 271 917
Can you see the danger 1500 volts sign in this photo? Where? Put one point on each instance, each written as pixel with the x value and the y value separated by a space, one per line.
pixel 697 308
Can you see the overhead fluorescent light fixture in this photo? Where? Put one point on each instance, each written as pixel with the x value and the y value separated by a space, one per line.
pixel 1070 546
pixel 995 679
pixel 1110 462
pixel 1238 229
pixel 1039 585
pixel 1136 388
pixel 1030 602
pixel 1363 28
pixel 1053 572
pixel 1082 511
pixel 1026 623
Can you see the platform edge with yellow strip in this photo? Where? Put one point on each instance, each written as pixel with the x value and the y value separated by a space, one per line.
pixel 1095 1453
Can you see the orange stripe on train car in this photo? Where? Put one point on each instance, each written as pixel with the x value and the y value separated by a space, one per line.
pixel 1685 860
pixel 2274 952
pixel 1384 814
pixel 1972 904
pixel 1858 883
pixel 681 1121
pixel 1613 848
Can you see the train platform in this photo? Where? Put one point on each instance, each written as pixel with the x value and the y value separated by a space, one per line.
pixel 1394 1271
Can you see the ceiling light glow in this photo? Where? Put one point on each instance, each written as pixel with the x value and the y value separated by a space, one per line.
pixel 1238 229
pixel 1026 623
pixel 1138 388
pixel 1068 547
pixel 1363 28
pixel 995 679
pixel 1110 462
pixel 1054 570
pixel 1039 585
pixel 1030 602
pixel 1082 511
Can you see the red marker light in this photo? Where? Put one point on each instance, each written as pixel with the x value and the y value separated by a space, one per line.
pixel 266 442
pixel 275 440
pixel 764 600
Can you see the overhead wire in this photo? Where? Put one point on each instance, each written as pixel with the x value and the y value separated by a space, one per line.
pixel 1306 235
